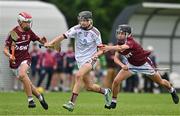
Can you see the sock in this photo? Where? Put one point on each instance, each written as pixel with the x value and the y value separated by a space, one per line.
pixel 114 99
pixel 30 98
pixel 102 91
pixel 71 102
pixel 171 90
pixel 40 97
pixel 73 97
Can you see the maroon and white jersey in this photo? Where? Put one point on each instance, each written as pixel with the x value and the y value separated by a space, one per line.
pixel 22 46
pixel 135 55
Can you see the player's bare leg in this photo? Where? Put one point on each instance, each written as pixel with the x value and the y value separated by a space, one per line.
pixel 157 78
pixel 78 81
pixel 27 83
pixel 122 75
pixel 79 77
pixel 91 86
pixel 39 96
pixel 108 80
pixel 88 80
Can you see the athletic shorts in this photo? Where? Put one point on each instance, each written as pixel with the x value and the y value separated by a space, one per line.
pixel 16 71
pixel 138 69
pixel 93 63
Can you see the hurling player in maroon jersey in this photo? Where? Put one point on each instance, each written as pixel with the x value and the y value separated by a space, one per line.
pixel 137 59
pixel 21 36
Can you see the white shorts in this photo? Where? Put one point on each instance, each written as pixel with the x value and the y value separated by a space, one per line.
pixel 138 69
pixel 80 64
pixel 16 71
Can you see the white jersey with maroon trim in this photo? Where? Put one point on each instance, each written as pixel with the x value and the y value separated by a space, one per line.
pixel 86 42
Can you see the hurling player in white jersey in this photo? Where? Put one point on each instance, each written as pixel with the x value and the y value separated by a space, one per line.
pixel 87 39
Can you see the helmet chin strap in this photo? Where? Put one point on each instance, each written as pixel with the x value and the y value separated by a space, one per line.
pixel 122 41
pixel 87 28
pixel 25 28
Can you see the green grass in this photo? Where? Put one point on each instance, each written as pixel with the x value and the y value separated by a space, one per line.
pixel 88 103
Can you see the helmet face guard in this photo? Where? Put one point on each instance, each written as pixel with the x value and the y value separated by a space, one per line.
pixel 123 28
pixel 25 17
pixel 121 42
pixel 85 16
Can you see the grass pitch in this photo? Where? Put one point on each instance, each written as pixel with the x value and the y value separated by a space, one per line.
pixel 88 103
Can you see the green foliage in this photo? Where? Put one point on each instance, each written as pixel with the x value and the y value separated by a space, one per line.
pixel 164 1
pixel 104 11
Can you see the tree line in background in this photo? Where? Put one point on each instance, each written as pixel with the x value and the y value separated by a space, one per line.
pixel 104 11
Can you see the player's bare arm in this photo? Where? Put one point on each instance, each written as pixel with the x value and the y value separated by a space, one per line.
pixel 43 40
pixel 6 52
pixel 115 48
pixel 118 62
pixel 97 54
pixel 55 40
pixel 121 47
